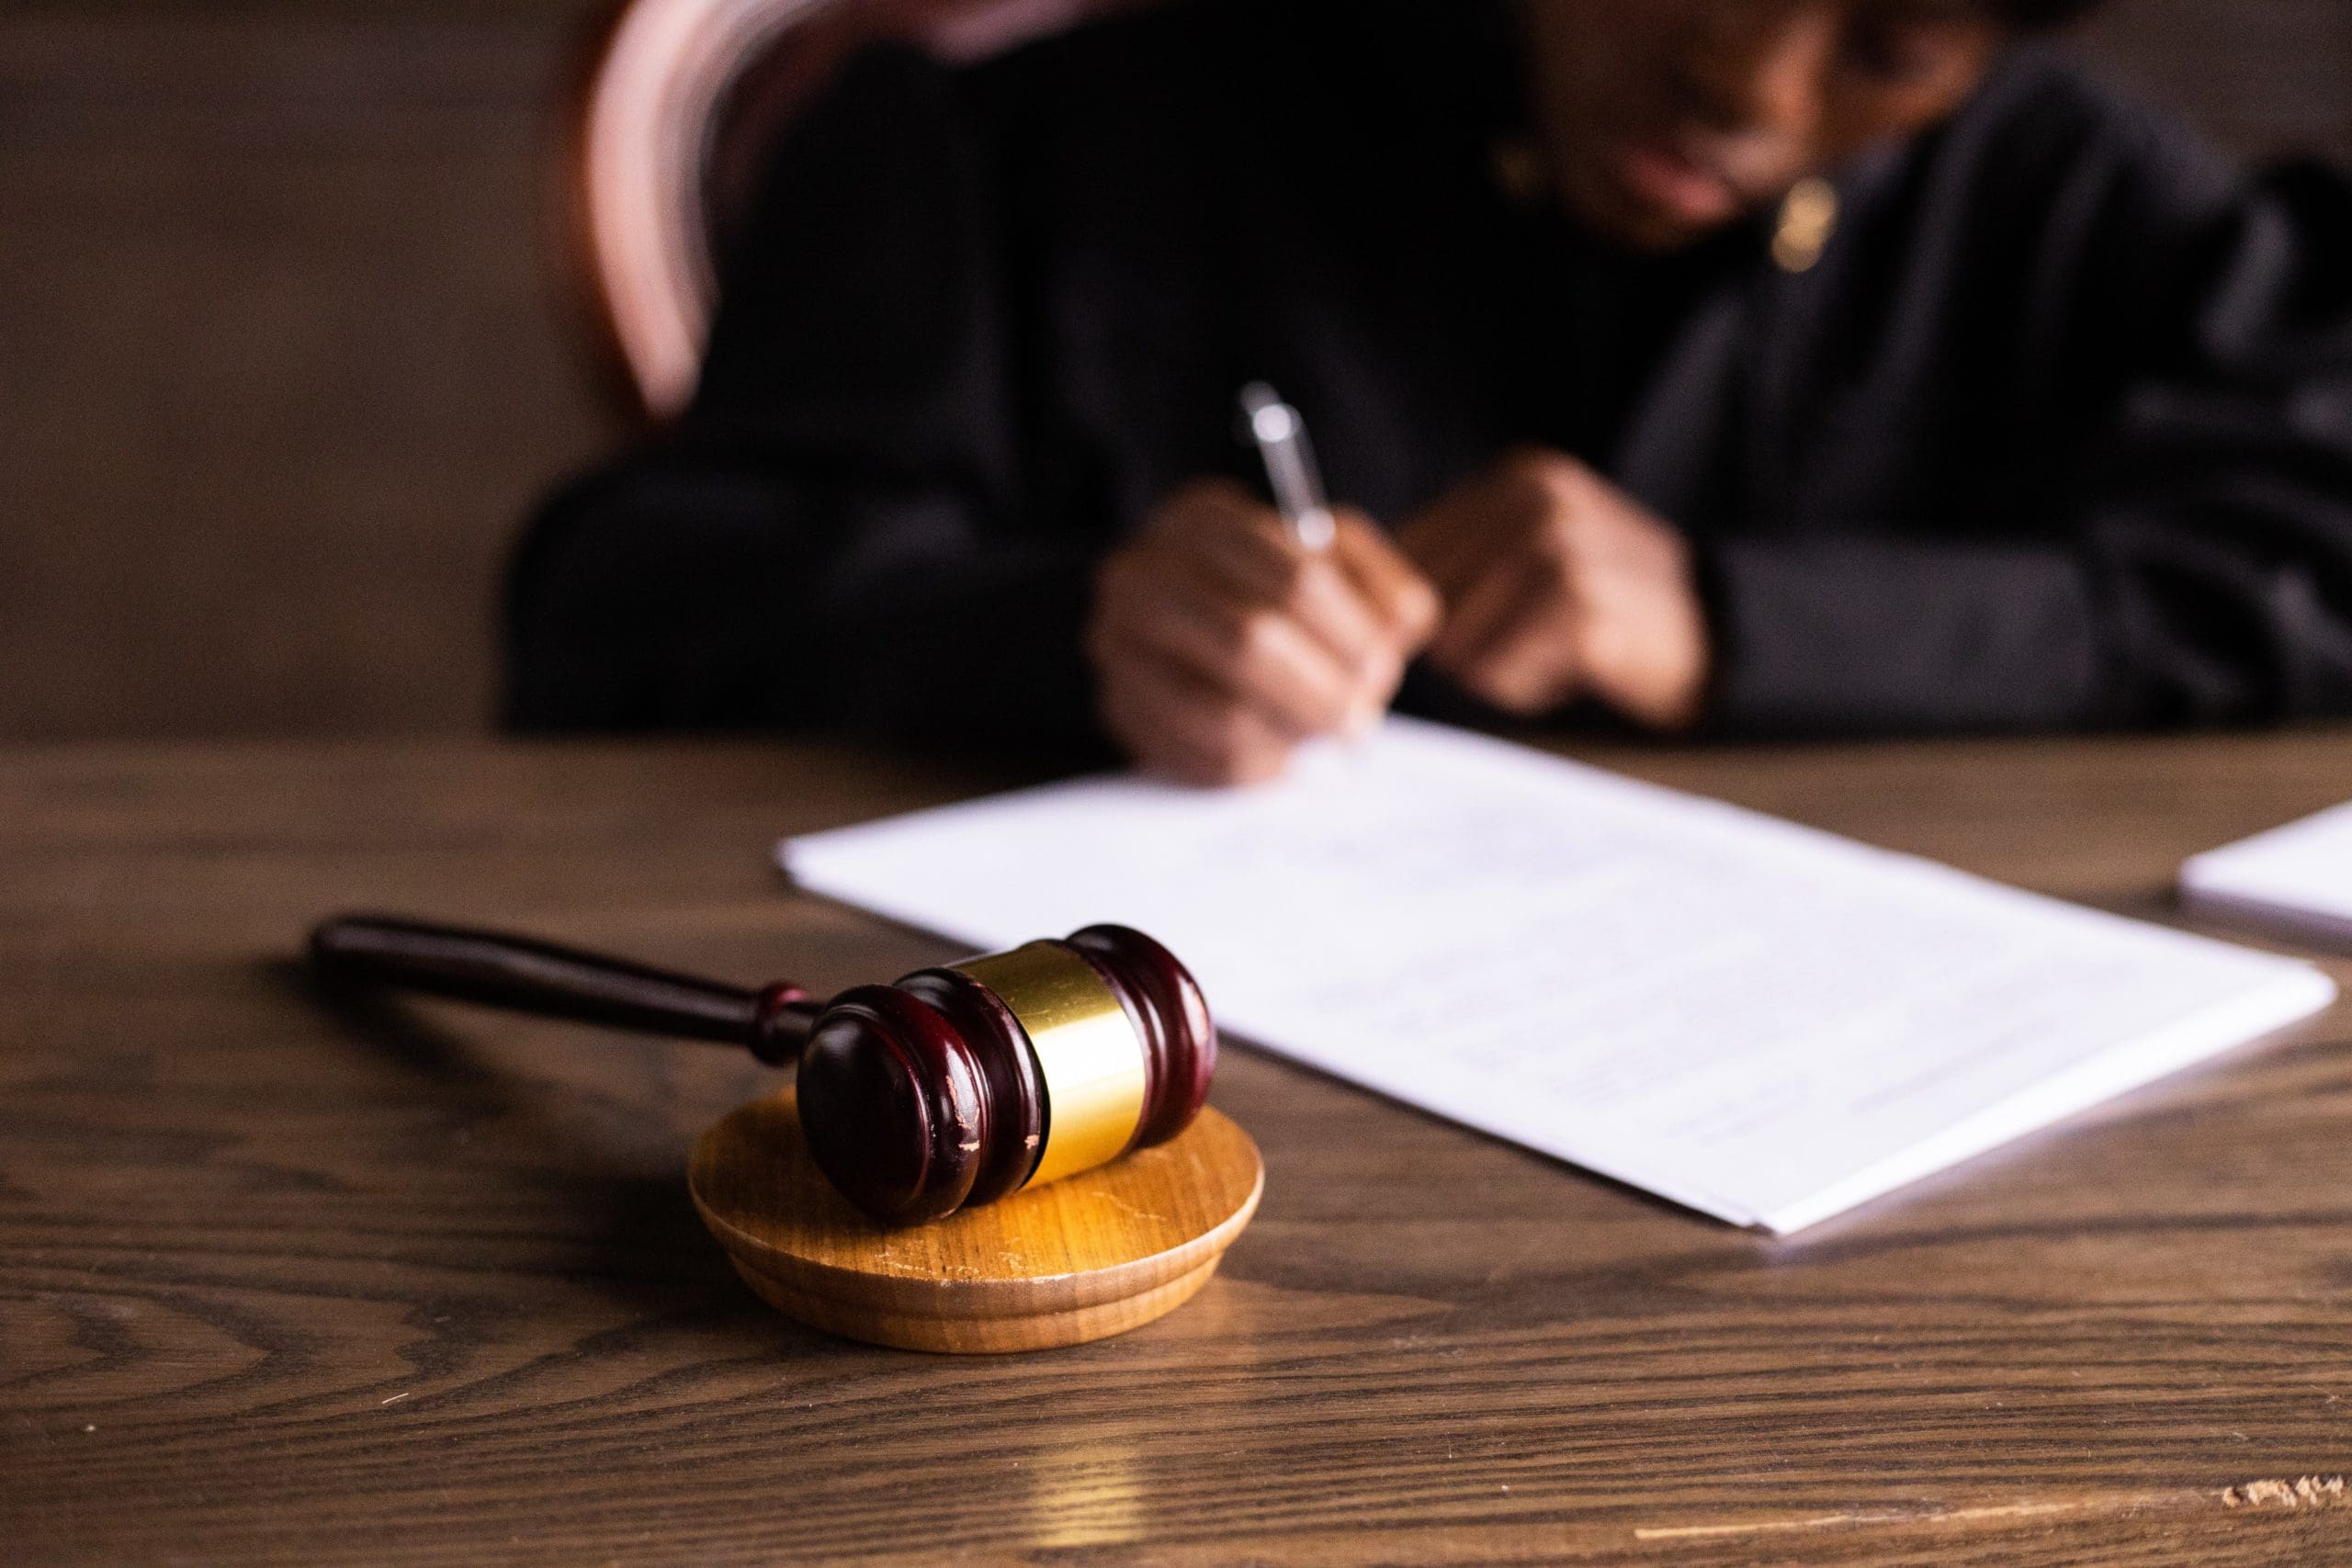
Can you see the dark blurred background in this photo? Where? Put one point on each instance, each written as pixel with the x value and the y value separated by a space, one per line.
pixel 288 342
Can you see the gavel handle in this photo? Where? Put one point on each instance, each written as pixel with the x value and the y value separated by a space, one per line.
pixel 528 976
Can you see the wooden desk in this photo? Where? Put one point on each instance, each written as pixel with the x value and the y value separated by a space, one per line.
pixel 421 1284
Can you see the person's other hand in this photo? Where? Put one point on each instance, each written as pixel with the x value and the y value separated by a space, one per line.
pixel 1221 644
pixel 1556 586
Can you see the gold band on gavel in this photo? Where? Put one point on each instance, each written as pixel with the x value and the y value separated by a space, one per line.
pixel 1087 1053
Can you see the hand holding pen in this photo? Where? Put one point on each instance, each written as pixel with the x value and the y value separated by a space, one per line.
pixel 1227 631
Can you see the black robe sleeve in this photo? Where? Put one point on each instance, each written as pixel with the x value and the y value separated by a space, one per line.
pixel 2196 566
pixel 832 536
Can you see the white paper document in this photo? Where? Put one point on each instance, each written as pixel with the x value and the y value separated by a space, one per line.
pixel 1757 1020
pixel 2298 877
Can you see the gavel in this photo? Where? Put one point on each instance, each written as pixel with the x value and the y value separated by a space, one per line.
pixel 953 1087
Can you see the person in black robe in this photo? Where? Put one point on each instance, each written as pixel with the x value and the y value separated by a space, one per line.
pixel 1728 367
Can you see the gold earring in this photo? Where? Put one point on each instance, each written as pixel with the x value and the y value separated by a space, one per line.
pixel 1808 218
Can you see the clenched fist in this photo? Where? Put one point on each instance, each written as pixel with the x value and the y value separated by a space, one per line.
pixel 1557 585
pixel 1221 644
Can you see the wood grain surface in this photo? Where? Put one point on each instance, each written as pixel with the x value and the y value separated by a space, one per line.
pixel 419 1284
pixel 1094 1254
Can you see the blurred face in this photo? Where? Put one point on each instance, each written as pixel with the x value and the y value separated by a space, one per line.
pixel 1664 119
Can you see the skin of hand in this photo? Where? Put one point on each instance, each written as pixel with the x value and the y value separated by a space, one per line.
pixel 1557 585
pixel 1219 644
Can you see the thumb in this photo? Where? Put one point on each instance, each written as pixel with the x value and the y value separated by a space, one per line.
pixel 1400 597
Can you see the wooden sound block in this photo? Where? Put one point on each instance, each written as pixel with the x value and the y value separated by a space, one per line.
pixel 1089 1255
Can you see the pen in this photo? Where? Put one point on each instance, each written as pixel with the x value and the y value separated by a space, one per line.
pixel 1281 436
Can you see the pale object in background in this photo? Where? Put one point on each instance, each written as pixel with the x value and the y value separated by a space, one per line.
pixel 2298 877
pixel 1757 1020
pixel 684 103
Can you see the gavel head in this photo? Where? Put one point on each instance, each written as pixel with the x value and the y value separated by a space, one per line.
pixel 959 1085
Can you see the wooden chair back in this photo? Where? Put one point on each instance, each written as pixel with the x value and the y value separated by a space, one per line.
pixel 681 104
